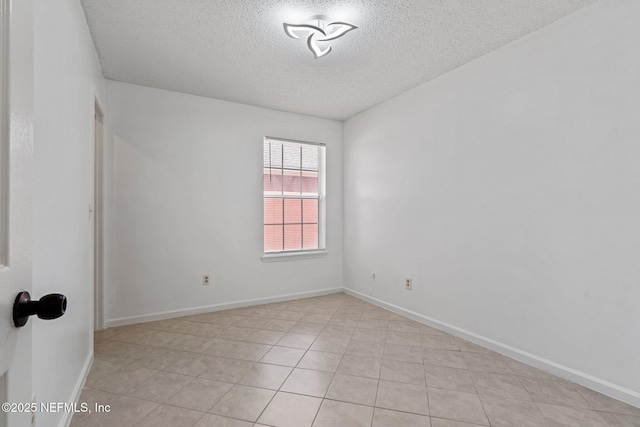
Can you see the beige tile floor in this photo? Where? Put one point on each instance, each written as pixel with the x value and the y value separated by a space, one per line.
pixel 325 361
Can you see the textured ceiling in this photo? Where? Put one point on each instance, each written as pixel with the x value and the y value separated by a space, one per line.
pixel 237 49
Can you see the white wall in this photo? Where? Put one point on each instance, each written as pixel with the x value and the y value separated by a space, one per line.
pixel 185 199
pixel 66 73
pixel 509 190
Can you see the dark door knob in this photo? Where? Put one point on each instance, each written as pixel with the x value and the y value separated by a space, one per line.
pixel 49 306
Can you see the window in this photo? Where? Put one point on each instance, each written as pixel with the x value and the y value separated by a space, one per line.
pixel 293 187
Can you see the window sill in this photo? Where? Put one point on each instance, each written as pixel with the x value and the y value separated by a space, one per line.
pixel 290 256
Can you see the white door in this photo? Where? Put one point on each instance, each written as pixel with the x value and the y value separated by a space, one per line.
pixel 16 153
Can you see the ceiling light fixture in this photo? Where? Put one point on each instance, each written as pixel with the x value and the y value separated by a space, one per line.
pixel 319 29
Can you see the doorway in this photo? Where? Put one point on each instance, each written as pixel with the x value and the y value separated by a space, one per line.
pixel 98 217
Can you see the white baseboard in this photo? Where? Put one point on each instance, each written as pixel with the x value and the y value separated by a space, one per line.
pixel 602 386
pixel 121 321
pixel 77 389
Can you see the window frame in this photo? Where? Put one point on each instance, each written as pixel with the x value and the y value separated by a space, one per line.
pixel 321 250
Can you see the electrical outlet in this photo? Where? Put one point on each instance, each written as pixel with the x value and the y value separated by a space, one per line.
pixel 205 279
pixel 408 284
